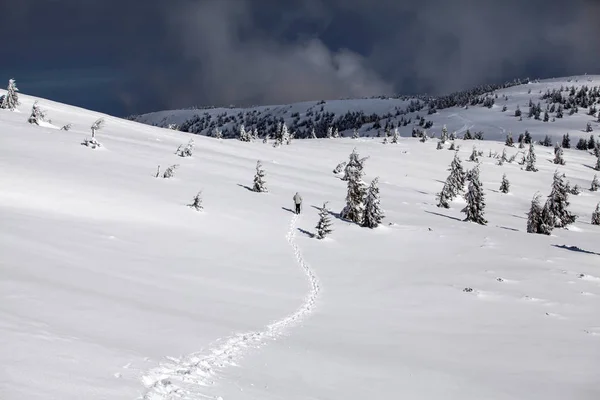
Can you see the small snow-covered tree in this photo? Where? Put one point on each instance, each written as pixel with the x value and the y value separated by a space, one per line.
pixel 474 155
pixel 313 134
pixel 329 132
pixel 475 198
pixel 289 138
pixel 37 114
pixel 452 147
pixel 595 184
pixel 597 167
pixel 197 202
pixel 259 179
pixel 354 161
pixel 336 133
pixel 373 214
pixel 355 195
pixel 575 190
pixel 324 225
pixel 245 136
pixel 538 220
pixel 558 201
pixel 66 127
pixel 285 134
pixel 96 126
pixel 453 135
pixel 395 136
pixel 255 134
pixel 531 159
pixel 266 138
pixel 588 127
pixel 444 134
pixel 446 195
pixel 217 134
pixel 93 142
pixel 355 134
pixel 439 146
pixel 187 150
pixel 596 215
pixel 558 156
pixel 505 185
pixel 10 101
pixel 170 172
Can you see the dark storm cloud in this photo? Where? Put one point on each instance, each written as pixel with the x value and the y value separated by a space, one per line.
pixel 135 56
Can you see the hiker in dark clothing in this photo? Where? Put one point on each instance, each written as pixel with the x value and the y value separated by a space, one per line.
pixel 298 202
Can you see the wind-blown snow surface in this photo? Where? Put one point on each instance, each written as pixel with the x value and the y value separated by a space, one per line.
pixel 108 278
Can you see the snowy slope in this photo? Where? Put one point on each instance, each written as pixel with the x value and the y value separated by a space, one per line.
pixel 492 121
pixel 113 289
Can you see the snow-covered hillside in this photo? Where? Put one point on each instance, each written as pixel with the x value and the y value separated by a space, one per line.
pixel 113 288
pixel 371 116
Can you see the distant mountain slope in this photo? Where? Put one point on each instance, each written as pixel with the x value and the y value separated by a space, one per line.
pixel 490 109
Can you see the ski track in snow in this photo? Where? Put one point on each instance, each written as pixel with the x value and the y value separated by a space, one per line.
pixel 183 378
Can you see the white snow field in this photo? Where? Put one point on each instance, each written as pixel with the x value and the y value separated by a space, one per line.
pixel 113 288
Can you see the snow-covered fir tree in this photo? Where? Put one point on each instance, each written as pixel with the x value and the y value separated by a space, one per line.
pixel 531 159
pixel 596 215
pixel 505 185
pixel 558 156
pixel 395 135
pixel 37 114
pixel 354 162
pixel 595 184
pixel 285 133
pixel 355 134
pixel 588 127
pixel 187 150
pixel 452 147
pixel 217 134
pixel 475 197
pixel 245 136
pixel 558 201
pixel 255 134
pixel 259 179
pixel 444 134
pixel 330 132
pixel 509 141
pixel 340 167
pixel 474 157
pixel 197 202
pixel 266 138
pixel 439 146
pixel 170 172
pixel 597 167
pixel 336 133
pixel 324 225
pixel 455 183
pixel 10 100
pixel 538 220
pixel 453 135
pixel 373 214
pixel 446 195
pixel 66 127
pixel 313 134
pixel 575 190
pixel 289 137
pixel 355 195
pixel 385 139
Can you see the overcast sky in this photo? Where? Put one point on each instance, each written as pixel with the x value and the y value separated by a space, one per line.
pixel 134 56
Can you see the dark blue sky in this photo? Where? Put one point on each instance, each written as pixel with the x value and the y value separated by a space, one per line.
pixel 133 56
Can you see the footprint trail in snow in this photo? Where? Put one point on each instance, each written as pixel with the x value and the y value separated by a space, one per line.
pixel 184 378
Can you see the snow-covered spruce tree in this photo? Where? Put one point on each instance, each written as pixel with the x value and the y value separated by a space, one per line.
pixel 475 199
pixel 170 172
pixel 336 133
pixel 66 127
pixel 289 137
pixel 531 159
pixel 329 132
pixel 588 127
pixel 355 195
pixel 313 134
pixel 285 134
pixel 395 135
pixel 217 134
pixel 255 134
pixel 373 214
pixel 596 215
pixel 452 147
pixel 324 225
pixel 259 179
pixel 538 220
pixel 385 139
pixel 354 161
pixel 595 184
pixel 37 114
pixel 96 126
pixel 340 167
pixel 597 167
pixel 474 155
pixel 355 134
pixel 266 138
pixel 575 190
pixel 505 185
pixel 453 135
pixel 197 202
pixel 558 156
pixel 187 150
pixel 455 183
pixel 439 146
pixel 245 136
pixel 558 201
pixel 444 134
pixel 446 195
pixel 11 99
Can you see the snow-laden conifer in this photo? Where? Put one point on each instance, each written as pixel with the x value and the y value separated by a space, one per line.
pixel 353 210
pixel 37 114
pixel 324 225
pixel 373 214
pixel 539 219
pixel 313 134
pixel 336 133
pixel 595 184
pixel 558 201
pixel 289 137
pixel 474 157
pixel 596 215
pixel 245 136
pixel 439 146
pixel 444 134
pixel 509 141
pixel 531 159
pixel 505 184
pixel 187 150
pixel 340 167
pixel 93 142
pixel 255 134
pixel 329 132
pixel 10 101
pixel 354 161
pixel 217 134
pixel 197 202
pixel 475 208
pixel 66 127
pixel 259 179
pixel 170 172
pixel 355 134
pixel 445 196
pixel 558 156
pixel 266 138
pixel 395 136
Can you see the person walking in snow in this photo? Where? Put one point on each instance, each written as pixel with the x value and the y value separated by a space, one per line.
pixel 298 202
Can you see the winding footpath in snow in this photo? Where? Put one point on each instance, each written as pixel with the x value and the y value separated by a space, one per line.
pixel 183 378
